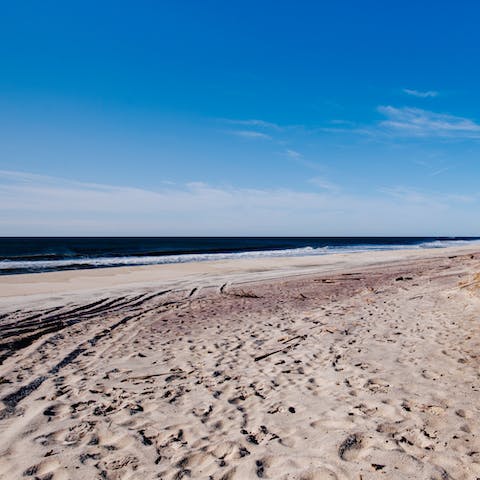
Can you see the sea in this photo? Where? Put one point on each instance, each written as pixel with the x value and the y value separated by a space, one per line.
pixel 44 254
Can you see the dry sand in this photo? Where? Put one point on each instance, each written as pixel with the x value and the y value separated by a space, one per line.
pixel 361 366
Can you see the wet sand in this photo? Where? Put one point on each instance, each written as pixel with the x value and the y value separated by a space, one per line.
pixel 359 366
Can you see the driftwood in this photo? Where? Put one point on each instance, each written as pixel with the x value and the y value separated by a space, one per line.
pixel 284 349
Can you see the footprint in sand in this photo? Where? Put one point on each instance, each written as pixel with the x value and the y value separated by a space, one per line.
pixel 318 474
pixel 350 447
pixel 74 434
pixel 44 469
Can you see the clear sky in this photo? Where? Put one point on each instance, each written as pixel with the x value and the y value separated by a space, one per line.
pixel 240 118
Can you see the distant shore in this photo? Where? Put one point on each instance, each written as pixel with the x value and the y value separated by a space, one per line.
pixel 341 366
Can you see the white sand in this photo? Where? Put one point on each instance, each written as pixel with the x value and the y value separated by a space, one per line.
pixel 357 366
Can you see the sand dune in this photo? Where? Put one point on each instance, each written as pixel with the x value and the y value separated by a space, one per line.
pixel 360 367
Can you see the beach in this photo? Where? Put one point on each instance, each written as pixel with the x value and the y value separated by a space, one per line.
pixel 346 366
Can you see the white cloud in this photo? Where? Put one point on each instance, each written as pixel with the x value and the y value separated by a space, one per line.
pixel 423 123
pixel 293 154
pixel 412 195
pixel 254 123
pixel 250 134
pixel 440 171
pixel 420 94
pixel 342 122
pixel 42 205
pixel 256 128
pixel 298 158
pixel 413 122
pixel 324 184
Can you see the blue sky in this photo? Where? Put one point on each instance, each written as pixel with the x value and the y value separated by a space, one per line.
pixel 239 118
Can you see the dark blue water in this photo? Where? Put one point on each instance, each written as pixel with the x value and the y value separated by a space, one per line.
pixel 26 255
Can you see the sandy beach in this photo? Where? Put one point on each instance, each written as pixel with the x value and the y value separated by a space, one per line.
pixel 348 366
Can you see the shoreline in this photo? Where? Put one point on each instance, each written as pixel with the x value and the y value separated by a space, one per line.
pixel 33 287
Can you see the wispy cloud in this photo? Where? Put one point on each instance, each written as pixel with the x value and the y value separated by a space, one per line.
pixel 325 184
pixel 415 122
pixel 41 205
pixel 412 122
pixel 410 195
pixel 420 94
pixel 440 171
pixel 337 121
pixel 300 159
pixel 293 154
pixel 254 123
pixel 250 134
pixel 430 199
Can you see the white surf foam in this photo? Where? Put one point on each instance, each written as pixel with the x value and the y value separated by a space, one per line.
pixel 96 262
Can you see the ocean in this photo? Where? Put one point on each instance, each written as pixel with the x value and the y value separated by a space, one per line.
pixel 44 254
